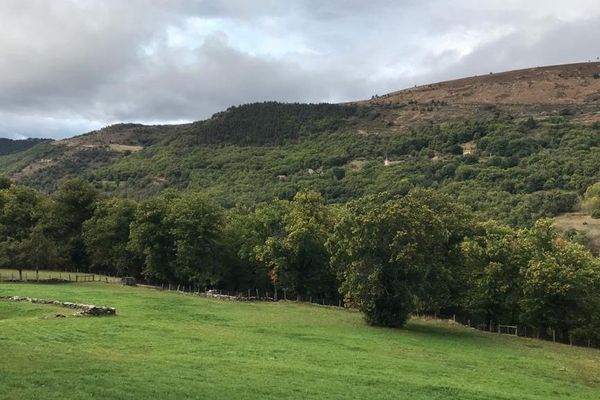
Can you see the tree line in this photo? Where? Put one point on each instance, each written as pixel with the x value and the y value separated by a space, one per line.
pixel 387 255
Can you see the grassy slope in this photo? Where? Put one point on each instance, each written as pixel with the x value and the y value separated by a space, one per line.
pixel 584 223
pixel 165 345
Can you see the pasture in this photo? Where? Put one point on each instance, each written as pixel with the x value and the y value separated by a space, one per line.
pixel 166 345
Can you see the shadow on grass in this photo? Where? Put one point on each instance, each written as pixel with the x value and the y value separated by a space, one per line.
pixel 441 329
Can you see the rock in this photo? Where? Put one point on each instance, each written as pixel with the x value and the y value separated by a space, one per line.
pixel 128 281
pixel 85 309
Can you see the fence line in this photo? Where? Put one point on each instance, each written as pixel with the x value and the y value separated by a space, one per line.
pixel 523 331
pixel 45 276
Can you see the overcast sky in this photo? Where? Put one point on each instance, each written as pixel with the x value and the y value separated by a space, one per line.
pixel 67 67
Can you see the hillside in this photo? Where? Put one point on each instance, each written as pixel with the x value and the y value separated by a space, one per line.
pixel 191 347
pixel 10 146
pixel 515 146
pixel 555 85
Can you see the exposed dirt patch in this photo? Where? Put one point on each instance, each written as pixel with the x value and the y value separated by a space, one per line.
pixel 356 165
pixel 583 223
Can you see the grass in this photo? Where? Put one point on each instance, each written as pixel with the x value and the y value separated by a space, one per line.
pixel 170 346
pixel 584 223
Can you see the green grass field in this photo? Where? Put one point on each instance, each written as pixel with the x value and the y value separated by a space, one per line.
pixel 165 345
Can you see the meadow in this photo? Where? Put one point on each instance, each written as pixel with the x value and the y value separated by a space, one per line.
pixel 171 346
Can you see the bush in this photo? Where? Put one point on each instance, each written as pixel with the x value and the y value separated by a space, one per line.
pixel 566 112
pixel 596 213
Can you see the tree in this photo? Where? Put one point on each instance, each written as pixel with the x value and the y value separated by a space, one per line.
pixel 5 182
pixel 19 214
pixel 39 252
pixel 560 282
pixel 591 198
pixel 382 250
pixel 72 205
pixel 246 231
pixel 10 255
pixel 150 238
pixel 446 283
pixel 19 208
pixel 494 257
pixel 178 237
pixel 296 256
pixel 106 235
pixel 195 224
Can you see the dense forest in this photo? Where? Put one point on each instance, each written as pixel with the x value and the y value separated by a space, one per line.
pixel 10 146
pixel 389 255
pixel 509 166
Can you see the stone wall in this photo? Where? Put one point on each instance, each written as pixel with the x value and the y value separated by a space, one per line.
pixel 82 309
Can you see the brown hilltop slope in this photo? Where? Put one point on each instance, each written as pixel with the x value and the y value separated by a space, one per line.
pixel 555 85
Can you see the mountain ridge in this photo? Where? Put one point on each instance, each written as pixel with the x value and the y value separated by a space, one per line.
pixel 576 83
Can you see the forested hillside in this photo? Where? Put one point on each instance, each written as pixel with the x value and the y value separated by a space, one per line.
pixel 518 160
pixel 9 146
pixel 513 168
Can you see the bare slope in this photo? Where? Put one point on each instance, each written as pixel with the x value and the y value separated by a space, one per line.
pixel 556 85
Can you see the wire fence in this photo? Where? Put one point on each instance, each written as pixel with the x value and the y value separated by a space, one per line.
pixel 249 295
pixel 523 331
pixel 44 276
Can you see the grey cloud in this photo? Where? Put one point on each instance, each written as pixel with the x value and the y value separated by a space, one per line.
pixel 70 66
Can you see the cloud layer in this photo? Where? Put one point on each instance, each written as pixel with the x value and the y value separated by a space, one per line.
pixel 71 66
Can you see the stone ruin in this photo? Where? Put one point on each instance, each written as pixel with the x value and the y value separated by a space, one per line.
pixel 82 309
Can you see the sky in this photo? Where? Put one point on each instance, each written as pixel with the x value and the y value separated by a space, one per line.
pixel 72 66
